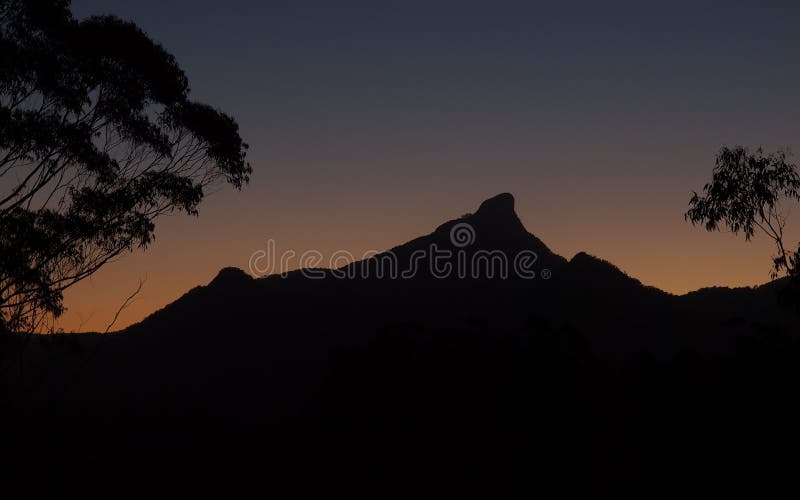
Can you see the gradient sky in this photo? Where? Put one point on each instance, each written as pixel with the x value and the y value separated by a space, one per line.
pixel 372 123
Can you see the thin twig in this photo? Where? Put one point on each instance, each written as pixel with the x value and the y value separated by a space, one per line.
pixel 125 304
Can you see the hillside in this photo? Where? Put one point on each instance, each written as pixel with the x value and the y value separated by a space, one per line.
pixel 415 362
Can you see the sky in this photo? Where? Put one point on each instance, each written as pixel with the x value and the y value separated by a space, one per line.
pixel 372 123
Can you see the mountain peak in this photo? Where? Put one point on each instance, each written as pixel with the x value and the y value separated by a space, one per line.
pixel 230 275
pixel 500 205
pixel 497 215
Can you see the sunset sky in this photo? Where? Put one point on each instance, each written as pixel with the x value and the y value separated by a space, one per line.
pixel 371 123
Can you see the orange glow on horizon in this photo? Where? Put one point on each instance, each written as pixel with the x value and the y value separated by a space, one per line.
pixel 656 247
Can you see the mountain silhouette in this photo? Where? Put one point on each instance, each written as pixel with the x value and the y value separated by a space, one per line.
pixel 571 361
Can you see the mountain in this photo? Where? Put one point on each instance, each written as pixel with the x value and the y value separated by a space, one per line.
pixel 462 275
pixel 455 351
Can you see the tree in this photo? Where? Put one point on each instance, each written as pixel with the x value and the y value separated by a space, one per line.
pixel 98 138
pixel 746 194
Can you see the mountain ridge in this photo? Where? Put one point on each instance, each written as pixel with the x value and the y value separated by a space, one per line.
pixel 499 208
pixel 593 295
pixel 581 362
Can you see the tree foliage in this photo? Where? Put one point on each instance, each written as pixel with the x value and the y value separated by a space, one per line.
pixel 98 138
pixel 746 194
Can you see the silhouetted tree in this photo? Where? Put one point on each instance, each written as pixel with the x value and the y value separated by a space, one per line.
pixel 745 195
pixel 98 138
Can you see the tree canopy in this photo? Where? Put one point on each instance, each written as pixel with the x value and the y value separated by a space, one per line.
pixel 98 138
pixel 746 194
